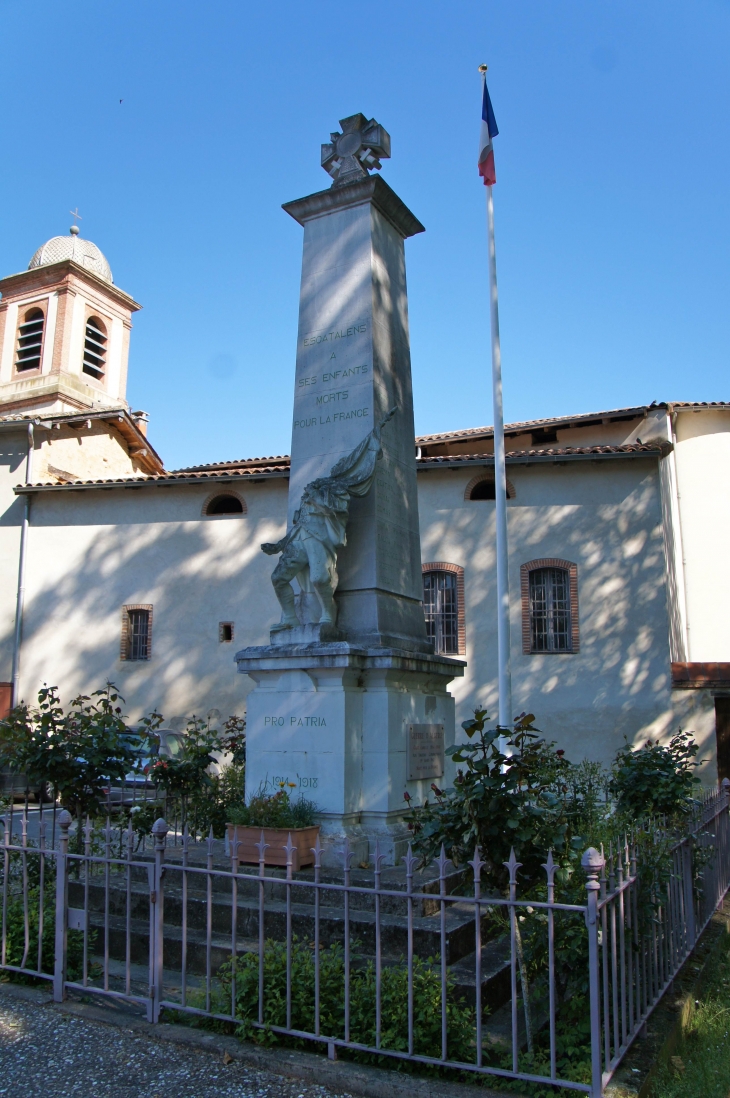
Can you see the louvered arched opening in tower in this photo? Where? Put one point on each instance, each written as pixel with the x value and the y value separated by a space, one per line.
pixel 30 341
pixel 95 341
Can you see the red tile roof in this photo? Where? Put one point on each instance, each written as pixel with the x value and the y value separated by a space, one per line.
pixel 279 467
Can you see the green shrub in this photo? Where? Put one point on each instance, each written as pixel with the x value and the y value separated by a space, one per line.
pixel 274 810
pixel 655 779
pixel 500 801
pixel 199 798
pixel 77 752
pixel 15 921
pixel 394 998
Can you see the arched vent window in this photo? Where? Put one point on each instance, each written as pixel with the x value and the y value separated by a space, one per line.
pixel 224 503
pixel 483 487
pixel 443 607
pixel 95 341
pixel 30 341
pixel 550 606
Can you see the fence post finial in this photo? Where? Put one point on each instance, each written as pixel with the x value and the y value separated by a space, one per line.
pixel 593 862
pixel 64 821
pixel 159 832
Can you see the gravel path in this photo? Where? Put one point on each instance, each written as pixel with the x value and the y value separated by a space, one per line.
pixel 44 1051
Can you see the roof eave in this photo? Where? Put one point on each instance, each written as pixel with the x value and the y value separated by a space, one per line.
pixel 150 482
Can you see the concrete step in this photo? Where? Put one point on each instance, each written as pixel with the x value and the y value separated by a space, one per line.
pixel 495 956
pixel 393 879
pixel 458 919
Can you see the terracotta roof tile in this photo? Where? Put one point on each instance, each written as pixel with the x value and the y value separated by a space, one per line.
pixel 545 452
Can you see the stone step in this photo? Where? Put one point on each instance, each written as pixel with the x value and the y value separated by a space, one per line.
pixel 495 973
pixel 495 956
pixel 393 879
pixel 458 919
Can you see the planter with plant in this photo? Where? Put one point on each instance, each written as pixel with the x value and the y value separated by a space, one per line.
pixel 279 817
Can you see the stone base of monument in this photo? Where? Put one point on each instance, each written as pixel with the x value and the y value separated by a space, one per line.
pixel 351 729
pixel 319 633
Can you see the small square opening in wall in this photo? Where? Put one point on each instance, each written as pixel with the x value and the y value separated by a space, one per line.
pixel 225 632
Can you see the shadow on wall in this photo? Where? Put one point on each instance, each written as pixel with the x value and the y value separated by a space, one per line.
pixel 619 682
pixel 194 574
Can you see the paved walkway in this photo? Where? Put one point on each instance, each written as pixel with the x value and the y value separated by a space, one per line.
pixel 43 1051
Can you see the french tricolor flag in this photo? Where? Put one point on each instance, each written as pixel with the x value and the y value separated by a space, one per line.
pixel 488 132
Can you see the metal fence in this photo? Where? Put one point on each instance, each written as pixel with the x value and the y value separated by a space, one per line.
pixel 393 963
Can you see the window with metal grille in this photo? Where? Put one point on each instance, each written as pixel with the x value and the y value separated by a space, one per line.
pixel 136 632
pixel 95 341
pixel 550 610
pixel 441 609
pixel 30 341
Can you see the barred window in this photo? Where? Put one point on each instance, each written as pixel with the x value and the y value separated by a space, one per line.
pixel 550 611
pixel 136 632
pixel 30 341
pixel 441 609
pixel 95 340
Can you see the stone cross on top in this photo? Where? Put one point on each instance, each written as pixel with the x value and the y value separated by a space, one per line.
pixel 351 154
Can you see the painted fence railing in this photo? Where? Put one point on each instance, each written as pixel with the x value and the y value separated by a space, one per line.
pixel 160 929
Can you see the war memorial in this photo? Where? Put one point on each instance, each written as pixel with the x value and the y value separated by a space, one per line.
pixel 350 702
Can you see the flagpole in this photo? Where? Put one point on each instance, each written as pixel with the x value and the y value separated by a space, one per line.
pixel 504 676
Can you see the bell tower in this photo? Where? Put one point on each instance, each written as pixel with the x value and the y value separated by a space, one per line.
pixel 64 332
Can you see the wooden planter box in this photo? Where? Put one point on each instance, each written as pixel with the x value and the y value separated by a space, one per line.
pixel 303 839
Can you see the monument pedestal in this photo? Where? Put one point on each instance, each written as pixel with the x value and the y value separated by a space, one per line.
pixel 351 729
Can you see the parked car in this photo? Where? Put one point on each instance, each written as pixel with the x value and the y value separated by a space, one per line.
pixel 137 787
pixel 16 786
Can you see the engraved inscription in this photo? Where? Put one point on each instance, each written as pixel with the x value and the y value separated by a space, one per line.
pixel 333 417
pixel 302 781
pixel 425 751
pixel 329 337
pixel 301 722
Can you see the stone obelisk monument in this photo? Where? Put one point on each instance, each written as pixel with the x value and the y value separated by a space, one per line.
pixel 351 704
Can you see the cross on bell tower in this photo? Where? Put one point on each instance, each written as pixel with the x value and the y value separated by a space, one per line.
pixel 350 154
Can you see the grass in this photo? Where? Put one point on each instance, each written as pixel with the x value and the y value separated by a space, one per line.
pixel 700 1067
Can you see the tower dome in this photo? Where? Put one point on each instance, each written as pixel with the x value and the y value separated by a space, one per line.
pixel 73 247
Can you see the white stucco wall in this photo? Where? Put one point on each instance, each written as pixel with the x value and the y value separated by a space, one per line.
pixel 90 553
pixel 703 477
pixel 12 467
pixel 606 518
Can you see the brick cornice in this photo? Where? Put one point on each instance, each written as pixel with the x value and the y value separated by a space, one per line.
pixel 698 676
pixel 56 275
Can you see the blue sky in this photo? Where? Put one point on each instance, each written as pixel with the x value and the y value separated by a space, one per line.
pixel 613 221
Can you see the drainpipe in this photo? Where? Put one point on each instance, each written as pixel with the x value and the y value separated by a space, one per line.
pixel 21 571
pixel 679 560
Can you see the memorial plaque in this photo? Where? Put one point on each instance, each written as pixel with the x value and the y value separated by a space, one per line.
pixel 425 751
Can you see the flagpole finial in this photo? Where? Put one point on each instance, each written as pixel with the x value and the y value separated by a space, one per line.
pixel 482 68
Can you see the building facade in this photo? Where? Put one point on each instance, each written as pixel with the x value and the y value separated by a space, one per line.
pixel 617 522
